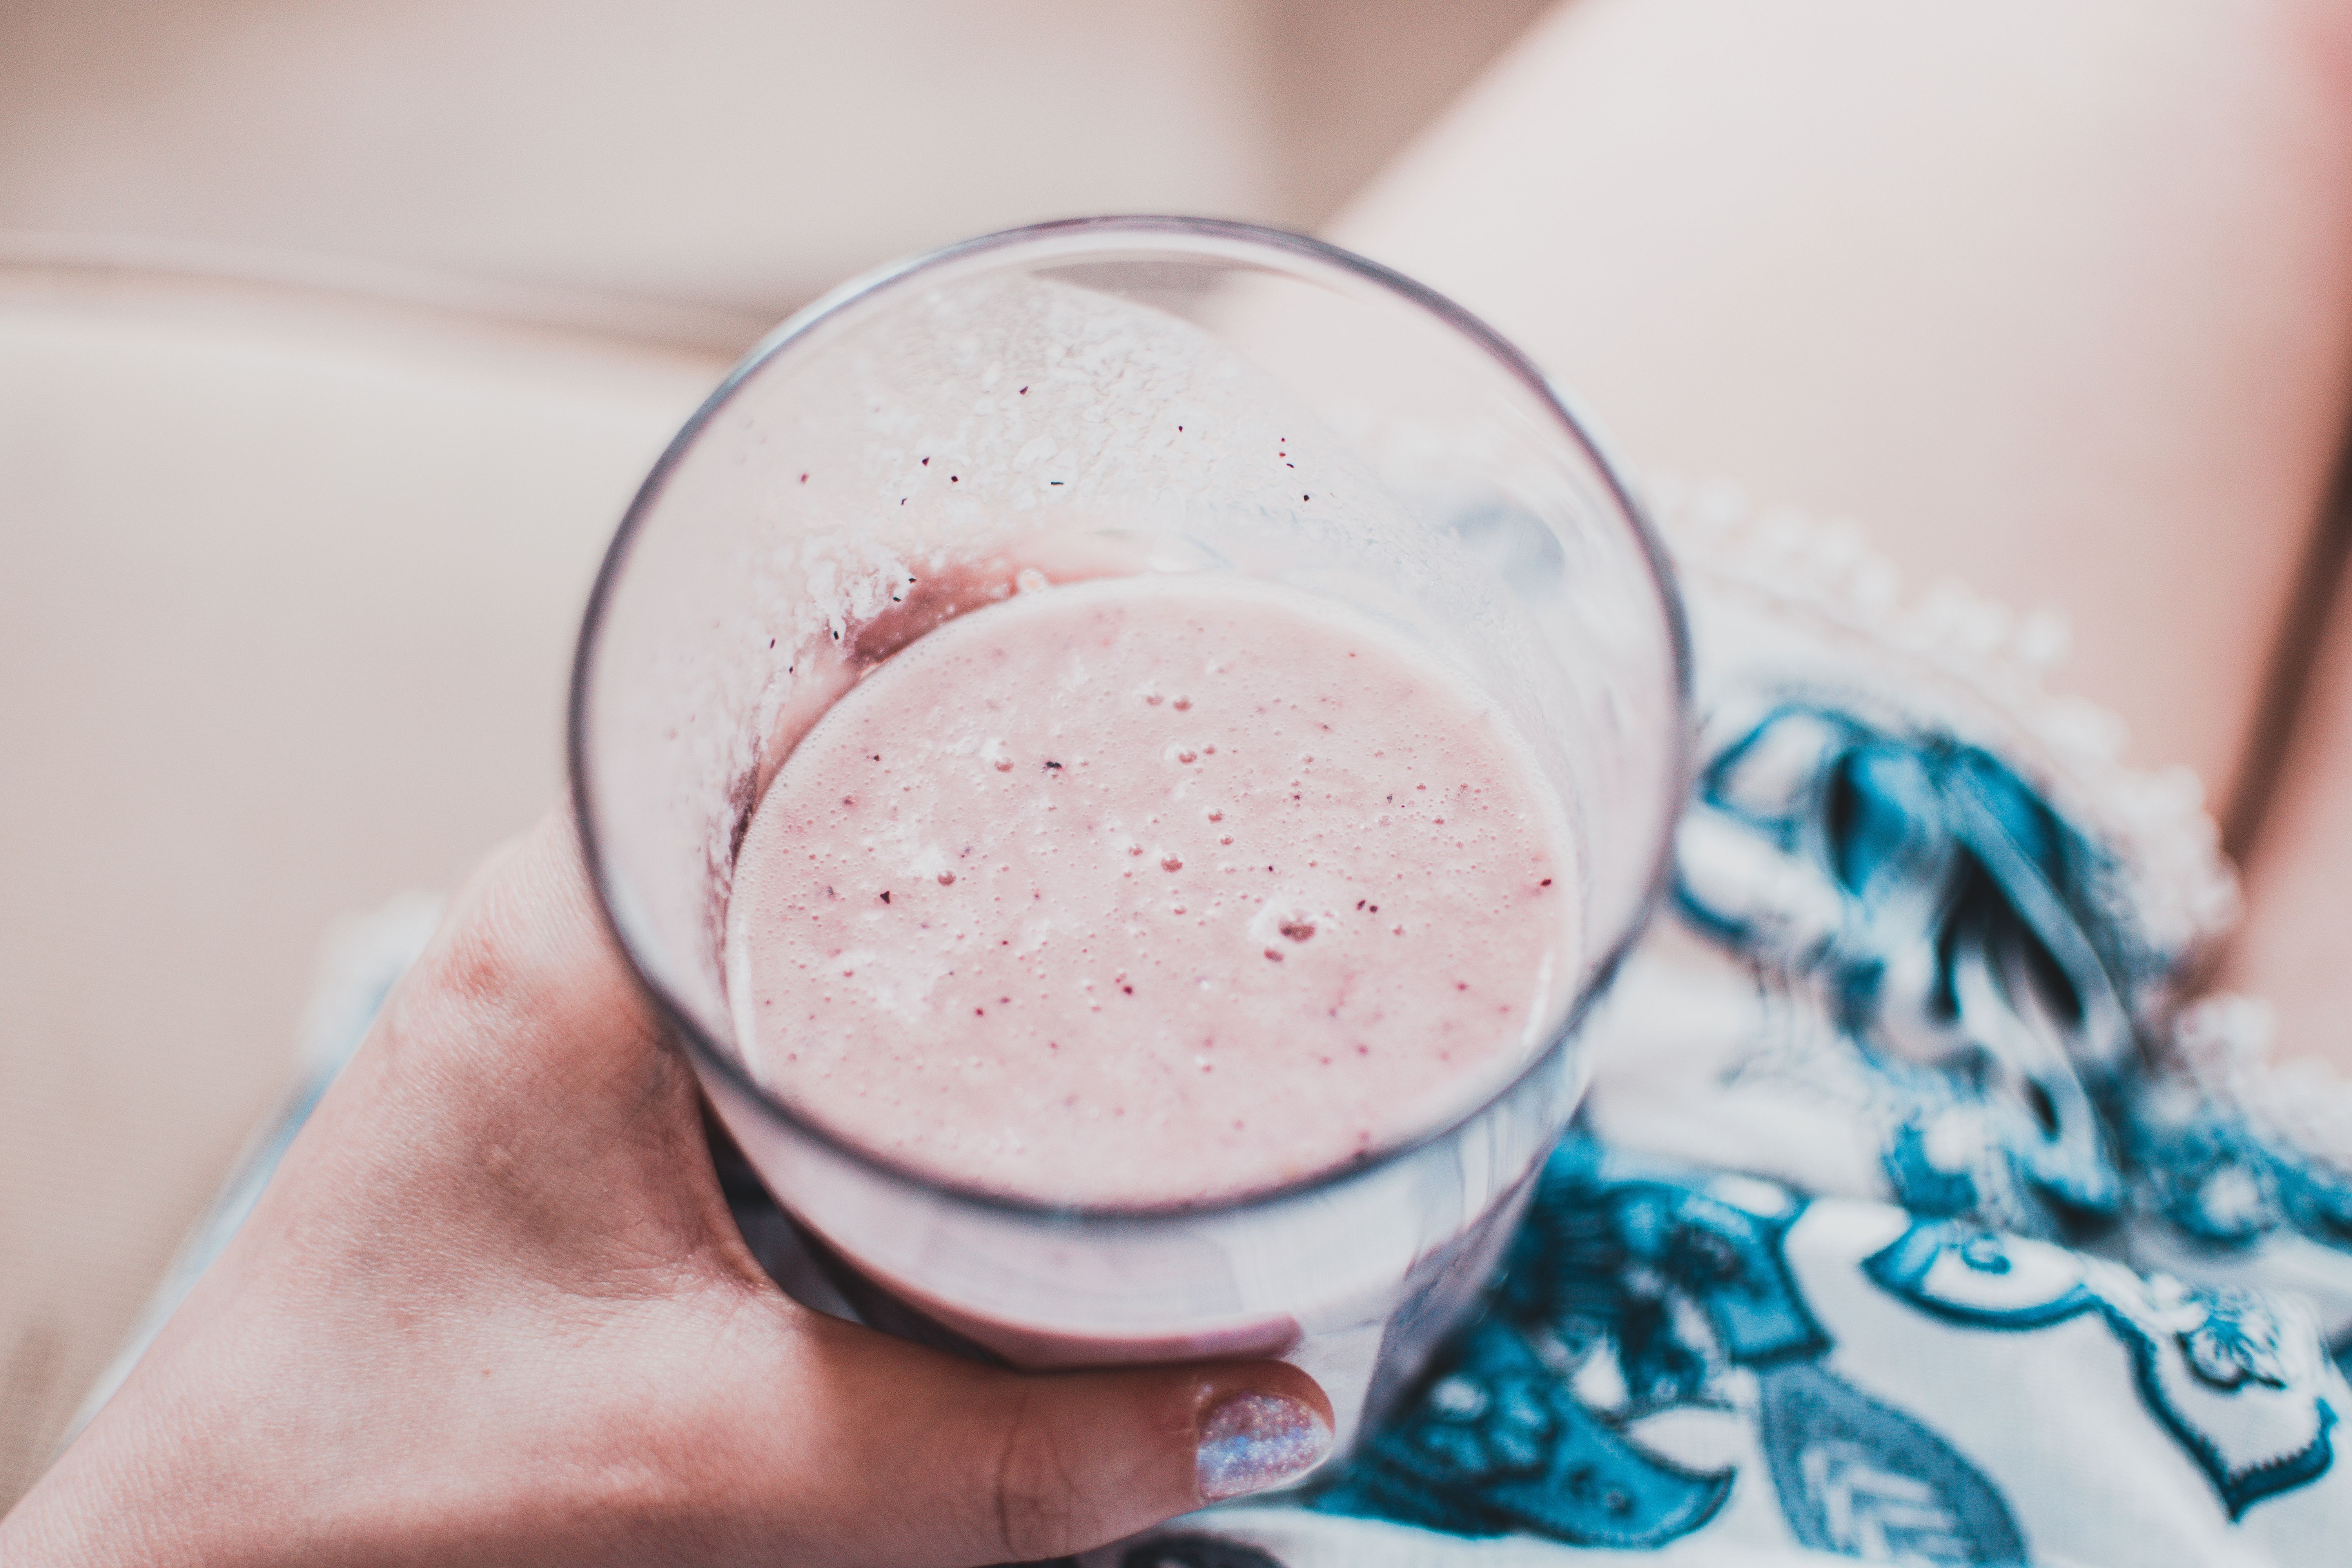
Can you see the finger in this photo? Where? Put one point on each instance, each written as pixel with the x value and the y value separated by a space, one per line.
pixel 518 1088
pixel 929 1460
pixel 525 945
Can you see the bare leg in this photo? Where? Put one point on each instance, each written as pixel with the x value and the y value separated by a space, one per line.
pixel 2295 948
pixel 2055 295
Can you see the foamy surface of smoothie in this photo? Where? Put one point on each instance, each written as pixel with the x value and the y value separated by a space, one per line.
pixel 1148 891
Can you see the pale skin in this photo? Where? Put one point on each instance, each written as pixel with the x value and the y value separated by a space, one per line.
pixel 2053 295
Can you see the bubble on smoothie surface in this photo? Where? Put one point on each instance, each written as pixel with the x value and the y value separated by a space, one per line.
pixel 1148 890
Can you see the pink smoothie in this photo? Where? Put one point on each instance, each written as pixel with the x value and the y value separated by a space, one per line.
pixel 1148 891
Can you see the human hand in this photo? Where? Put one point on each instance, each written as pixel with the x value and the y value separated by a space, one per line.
pixel 493 1309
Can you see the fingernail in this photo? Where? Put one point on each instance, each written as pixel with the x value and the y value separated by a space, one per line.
pixel 1252 1441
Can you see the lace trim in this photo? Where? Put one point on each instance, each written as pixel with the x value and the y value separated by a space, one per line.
pixel 2188 894
pixel 2222 1044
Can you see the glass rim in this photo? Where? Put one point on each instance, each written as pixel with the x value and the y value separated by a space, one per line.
pixel 711 1058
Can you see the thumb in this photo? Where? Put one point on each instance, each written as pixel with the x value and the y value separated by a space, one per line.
pixel 950 1462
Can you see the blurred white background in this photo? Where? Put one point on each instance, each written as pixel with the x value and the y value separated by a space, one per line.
pixel 719 155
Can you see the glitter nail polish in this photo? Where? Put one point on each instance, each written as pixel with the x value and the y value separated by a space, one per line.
pixel 1252 1441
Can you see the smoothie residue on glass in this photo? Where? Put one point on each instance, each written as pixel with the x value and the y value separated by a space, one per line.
pixel 1148 891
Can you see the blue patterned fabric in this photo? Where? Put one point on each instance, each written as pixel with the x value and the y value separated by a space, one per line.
pixel 1948 1363
pixel 1679 1289
pixel 2220 1201
pixel 2190 1349
pixel 1967 959
pixel 2223 1183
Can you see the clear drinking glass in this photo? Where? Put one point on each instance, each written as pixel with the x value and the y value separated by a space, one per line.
pixel 1107 392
